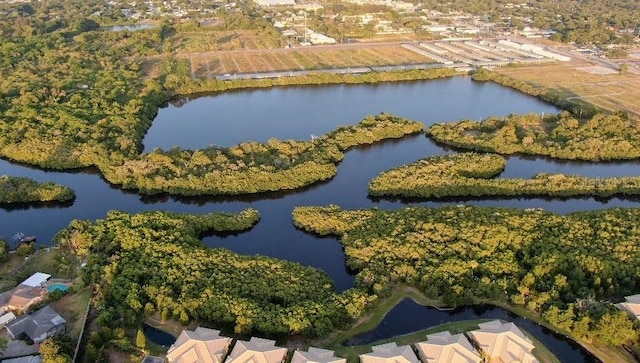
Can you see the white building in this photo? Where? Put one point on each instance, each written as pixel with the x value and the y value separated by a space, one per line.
pixel 390 353
pixel 316 355
pixel 631 304
pixel 446 348
pixel 201 345
pixel 503 342
pixel 257 350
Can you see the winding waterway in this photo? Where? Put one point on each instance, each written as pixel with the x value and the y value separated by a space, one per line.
pixel 298 112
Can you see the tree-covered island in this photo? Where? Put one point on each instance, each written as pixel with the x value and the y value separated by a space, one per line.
pixel 563 136
pixel 473 175
pixel 253 167
pixel 26 190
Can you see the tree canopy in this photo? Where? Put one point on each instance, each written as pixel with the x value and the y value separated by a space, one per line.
pixel 473 175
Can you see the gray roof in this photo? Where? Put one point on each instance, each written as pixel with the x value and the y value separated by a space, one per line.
pixel 27 359
pixel 36 324
pixel 152 359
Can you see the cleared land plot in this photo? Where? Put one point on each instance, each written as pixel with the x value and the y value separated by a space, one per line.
pixel 609 91
pixel 301 59
pixel 208 41
pixel 597 70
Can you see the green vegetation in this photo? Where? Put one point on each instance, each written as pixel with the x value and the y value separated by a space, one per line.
pixel 180 81
pixel 26 190
pixel 156 258
pixel 73 99
pixel 4 250
pixel 529 258
pixel 470 175
pixel 141 339
pixel 602 137
pixel 254 167
pixel 56 349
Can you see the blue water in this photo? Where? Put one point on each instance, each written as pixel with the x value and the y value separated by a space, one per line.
pixel 298 112
pixel 61 287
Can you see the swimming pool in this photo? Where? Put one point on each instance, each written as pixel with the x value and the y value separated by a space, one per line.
pixel 61 287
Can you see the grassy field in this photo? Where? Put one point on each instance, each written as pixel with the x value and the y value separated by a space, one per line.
pixel 221 40
pixel 7 271
pixel 51 261
pixel 576 80
pixel 72 308
pixel 210 64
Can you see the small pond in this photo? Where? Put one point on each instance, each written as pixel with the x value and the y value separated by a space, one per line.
pixel 157 336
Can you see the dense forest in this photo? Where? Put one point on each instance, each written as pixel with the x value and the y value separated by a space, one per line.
pixel 73 99
pixel 154 262
pixel 253 167
pixel 547 263
pixel 602 137
pixel 26 190
pixel 472 175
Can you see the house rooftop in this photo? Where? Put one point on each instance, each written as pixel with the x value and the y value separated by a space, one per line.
pixel 316 355
pixel 257 350
pixel 202 345
pixel 444 347
pixel 390 353
pixel 504 341
pixel 36 280
pixel 36 324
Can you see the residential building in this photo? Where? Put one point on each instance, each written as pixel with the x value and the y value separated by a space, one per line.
pixel 37 326
pixel 631 304
pixel 446 348
pixel 202 345
pixel 27 293
pixel 6 319
pixel 316 355
pixel 257 350
pixel 503 342
pixel 390 353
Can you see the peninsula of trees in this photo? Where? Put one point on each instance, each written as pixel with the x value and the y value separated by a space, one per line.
pixel 253 167
pixel 563 136
pixel 26 190
pixel 154 262
pixel 555 265
pixel 472 175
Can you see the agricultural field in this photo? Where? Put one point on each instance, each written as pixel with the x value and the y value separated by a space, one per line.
pixel 581 80
pixel 208 65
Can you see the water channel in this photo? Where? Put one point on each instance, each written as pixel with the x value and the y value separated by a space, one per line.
pixel 298 112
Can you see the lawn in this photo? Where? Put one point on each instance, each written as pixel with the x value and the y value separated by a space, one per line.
pixel 52 261
pixel 72 307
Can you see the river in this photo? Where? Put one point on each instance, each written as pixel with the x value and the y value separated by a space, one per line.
pixel 297 112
